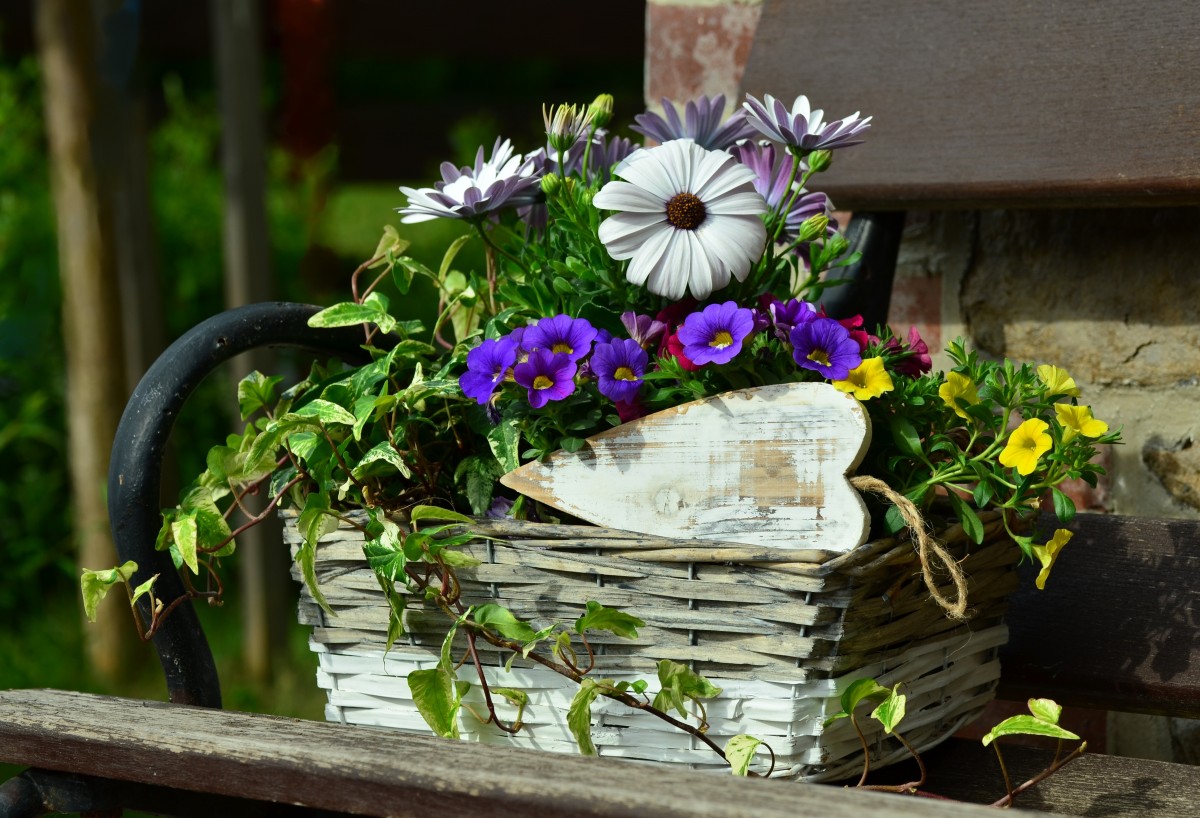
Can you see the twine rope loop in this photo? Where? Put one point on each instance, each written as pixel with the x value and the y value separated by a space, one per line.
pixel 928 548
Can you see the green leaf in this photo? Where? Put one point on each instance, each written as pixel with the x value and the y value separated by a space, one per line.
pixel 601 618
pixel 906 437
pixel 436 696
pixel 346 314
pixel 480 475
pixel 326 412
pixel 971 523
pixel 142 589
pixel 390 244
pixel 95 585
pixel 1064 506
pixel 517 698
pixel 859 690
pixel 1027 726
pixel 184 534
pixel 739 752
pixel 314 523
pixel 435 513
pixel 505 441
pixel 1046 710
pixel 579 716
pixel 504 622
pixel 256 391
pixel 382 452
pixel 678 684
pixel 891 710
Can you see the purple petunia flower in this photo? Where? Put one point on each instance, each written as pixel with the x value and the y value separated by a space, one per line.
pixel 619 367
pixel 802 127
pixel 825 346
pixel 487 366
pixel 647 331
pixel 715 334
pixel 571 336
pixel 547 375
pixel 703 122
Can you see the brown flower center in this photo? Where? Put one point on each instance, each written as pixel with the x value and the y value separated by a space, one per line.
pixel 685 211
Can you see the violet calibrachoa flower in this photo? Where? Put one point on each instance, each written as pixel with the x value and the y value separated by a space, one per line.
pixel 618 367
pixel 715 334
pixel 561 333
pixel 546 375
pixel 487 366
pixel 825 346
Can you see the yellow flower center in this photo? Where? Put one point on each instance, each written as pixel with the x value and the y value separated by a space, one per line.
pixel 624 373
pixel 562 346
pixel 721 340
pixel 685 211
pixel 542 382
pixel 819 356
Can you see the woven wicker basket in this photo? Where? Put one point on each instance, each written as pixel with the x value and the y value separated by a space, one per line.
pixel 782 632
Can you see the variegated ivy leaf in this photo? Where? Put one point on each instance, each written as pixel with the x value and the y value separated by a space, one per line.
pixel 95 584
pixel 739 752
pixel 382 452
pixel 256 391
pixel 891 710
pixel 579 716
pixel 678 684
pixel 326 412
pixel 1042 721
pixel 601 618
pixel 314 523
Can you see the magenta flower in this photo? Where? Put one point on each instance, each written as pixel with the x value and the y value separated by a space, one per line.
pixel 825 346
pixel 619 367
pixel 703 122
pixel 715 334
pixel 487 366
pixel 547 375
pixel 571 336
pixel 911 359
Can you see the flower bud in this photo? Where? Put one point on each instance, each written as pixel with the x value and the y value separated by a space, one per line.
pixel 601 110
pixel 813 227
pixel 551 184
pixel 820 160
pixel 564 125
pixel 837 246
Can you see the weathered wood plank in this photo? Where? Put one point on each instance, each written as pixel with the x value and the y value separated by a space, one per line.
pixel 763 466
pixel 1116 627
pixel 995 104
pixel 330 766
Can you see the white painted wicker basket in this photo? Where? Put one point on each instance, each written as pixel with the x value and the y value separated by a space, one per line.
pixel 781 631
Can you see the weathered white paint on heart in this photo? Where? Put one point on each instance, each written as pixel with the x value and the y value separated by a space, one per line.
pixel 762 466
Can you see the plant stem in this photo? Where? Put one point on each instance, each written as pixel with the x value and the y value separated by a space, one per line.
pixel 1007 800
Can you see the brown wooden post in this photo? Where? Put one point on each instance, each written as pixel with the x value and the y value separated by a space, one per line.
pixel 262 561
pixel 91 306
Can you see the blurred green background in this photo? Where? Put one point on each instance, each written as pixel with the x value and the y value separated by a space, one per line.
pixel 370 96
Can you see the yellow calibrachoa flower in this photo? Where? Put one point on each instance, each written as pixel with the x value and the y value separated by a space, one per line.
pixel 1026 444
pixel 958 387
pixel 1057 381
pixel 867 380
pixel 1048 553
pixel 1078 420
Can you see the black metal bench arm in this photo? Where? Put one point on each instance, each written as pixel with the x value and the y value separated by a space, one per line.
pixel 135 471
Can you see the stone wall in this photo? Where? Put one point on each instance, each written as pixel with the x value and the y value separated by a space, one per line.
pixel 1108 294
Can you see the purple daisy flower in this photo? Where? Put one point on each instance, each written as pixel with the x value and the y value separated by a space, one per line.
pixel 547 375
pixel 802 127
pixel 647 331
pixel 773 169
pixel 472 193
pixel 571 336
pixel 487 366
pixel 619 367
pixel 703 122
pixel 825 346
pixel 715 334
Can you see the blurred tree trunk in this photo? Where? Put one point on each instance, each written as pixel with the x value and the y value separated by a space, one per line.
pixel 91 307
pixel 264 585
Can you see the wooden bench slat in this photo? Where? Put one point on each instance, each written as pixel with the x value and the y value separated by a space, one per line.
pixel 1116 626
pixel 995 104
pixel 330 766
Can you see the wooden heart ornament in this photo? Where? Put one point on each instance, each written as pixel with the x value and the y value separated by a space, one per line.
pixel 762 466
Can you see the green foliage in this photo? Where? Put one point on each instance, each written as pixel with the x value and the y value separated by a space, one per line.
pixel 890 706
pixel 1042 721
pixel 739 752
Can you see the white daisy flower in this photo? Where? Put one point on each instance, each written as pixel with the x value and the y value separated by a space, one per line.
pixel 505 180
pixel 687 218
